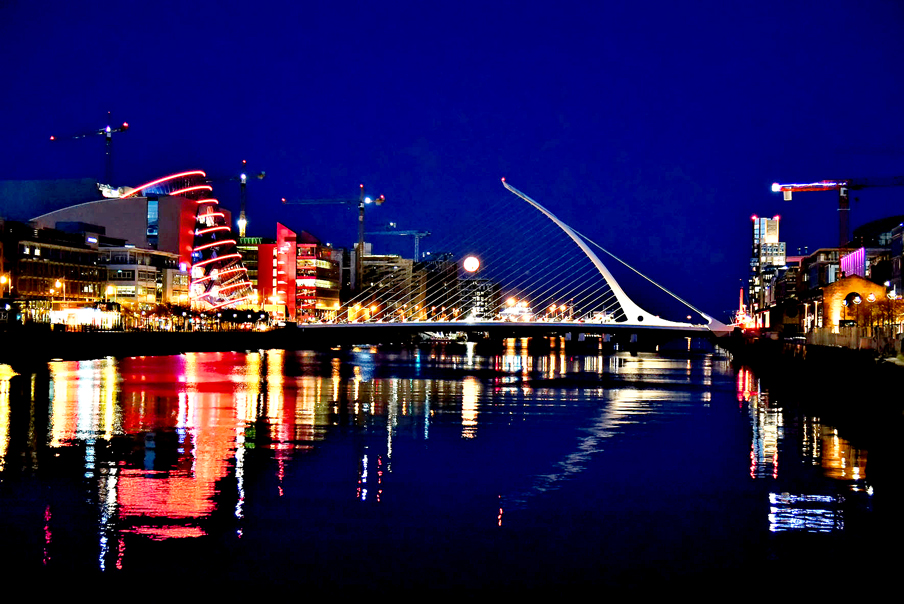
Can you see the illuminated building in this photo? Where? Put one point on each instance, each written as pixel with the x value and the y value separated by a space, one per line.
pixel 145 277
pixel 435 286
pixel 157 222
pixel 767 254
pixel 481 299
pixel 36 259
pixel 848 301
pixel 299 274
pixel 316 281
pixel 897 259
pixel 175 214
pixel 820 268
pixel 250 249
pixel 386 288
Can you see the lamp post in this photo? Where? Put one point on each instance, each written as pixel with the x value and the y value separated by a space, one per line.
pixel 3 281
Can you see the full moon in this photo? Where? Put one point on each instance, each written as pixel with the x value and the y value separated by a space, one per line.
pixel 471 264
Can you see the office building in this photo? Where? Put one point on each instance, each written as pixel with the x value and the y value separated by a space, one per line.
pixel 298 276
pixel 767 256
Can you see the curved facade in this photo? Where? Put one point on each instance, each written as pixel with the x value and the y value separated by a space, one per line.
pixel 176 214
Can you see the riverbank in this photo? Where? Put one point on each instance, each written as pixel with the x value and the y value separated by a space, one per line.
pixel 857 389
pixel 858 392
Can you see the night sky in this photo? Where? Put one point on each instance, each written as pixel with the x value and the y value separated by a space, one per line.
pixel 654 128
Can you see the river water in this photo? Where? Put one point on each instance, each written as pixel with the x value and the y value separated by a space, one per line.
pixel 426 468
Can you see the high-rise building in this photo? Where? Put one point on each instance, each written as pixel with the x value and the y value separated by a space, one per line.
pixel 767 255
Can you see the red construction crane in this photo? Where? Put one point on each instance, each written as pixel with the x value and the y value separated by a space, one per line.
pixel 361 201
pixel 844 202
pixel 107 132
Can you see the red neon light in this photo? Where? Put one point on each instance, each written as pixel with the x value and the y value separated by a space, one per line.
pixel 226 257
pixel 220 214
pixel 164 179
pixel 233 270
pixel 194 188
pixel 208 200
pixel 213 244
pixel 212 229
pixel 236 301
pixel 239 284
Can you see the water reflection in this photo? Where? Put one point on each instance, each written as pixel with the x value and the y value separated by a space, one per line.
pixel 815 444
pixel 191 446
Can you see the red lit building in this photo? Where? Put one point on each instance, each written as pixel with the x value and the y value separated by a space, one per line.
pixel 299 273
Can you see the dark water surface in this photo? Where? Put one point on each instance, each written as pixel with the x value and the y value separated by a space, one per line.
pixel 425 468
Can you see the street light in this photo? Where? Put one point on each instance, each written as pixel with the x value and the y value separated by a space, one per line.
pixel 3 281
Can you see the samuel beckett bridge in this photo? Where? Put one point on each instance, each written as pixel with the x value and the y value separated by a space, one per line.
pixel 510 270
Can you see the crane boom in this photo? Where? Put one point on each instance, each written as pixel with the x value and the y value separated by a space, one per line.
pixel 844 201
pixel 107 132
pixel 418 235
pixel 361 201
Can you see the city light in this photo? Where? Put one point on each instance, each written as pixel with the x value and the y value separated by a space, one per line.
pixel 137 190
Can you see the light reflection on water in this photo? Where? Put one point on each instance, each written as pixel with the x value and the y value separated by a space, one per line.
pixel 819 446
pixel 167 443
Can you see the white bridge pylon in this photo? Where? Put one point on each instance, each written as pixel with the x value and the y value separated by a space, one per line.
pixel 634 314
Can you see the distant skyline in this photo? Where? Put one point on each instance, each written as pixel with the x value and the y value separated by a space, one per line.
pixel 655 129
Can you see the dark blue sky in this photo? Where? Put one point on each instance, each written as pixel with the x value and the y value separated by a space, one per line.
pixel 655 128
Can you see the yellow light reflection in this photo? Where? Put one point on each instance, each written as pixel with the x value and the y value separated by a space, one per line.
pixel 6 374
pixel 63 406
pixel 470 394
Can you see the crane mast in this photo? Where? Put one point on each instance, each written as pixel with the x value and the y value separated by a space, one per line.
pixel 362 201
pixel 243 182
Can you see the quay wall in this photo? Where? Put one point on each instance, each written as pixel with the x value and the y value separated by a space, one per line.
pixel 857 387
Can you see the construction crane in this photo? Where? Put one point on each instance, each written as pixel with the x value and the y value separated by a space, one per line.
pixel 243 179
pixel 362 201
pixel 418 235
pixel 844 202
pixel 107 132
